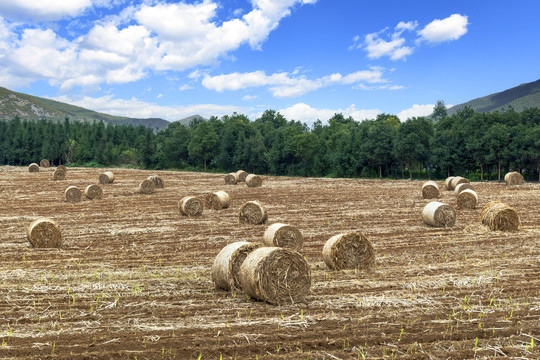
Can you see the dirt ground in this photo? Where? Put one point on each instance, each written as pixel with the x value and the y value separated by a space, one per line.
pixel 132 279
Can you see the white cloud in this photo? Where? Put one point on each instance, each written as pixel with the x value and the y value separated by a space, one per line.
pixel 286 84
pixel 185 87
pixel 416 110
pixel 43 10
pixel 450 28
pixel 249 97
pixel 305 113
pixel 377 47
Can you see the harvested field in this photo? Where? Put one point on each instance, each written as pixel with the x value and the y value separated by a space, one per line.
pixel 133 276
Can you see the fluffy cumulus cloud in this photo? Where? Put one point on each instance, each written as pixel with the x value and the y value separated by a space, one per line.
pixel 149 36
pixel 401 41
pixel 416 110
pixel 450 28
pixel 308 114
pixel 284 84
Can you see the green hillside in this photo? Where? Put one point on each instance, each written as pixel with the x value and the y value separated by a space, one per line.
pixel 30 107
pixel 520 97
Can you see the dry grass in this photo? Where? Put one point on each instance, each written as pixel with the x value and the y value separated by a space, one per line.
pixel 349 251
pixel 283 235
pixel 500 217
pixel 439 214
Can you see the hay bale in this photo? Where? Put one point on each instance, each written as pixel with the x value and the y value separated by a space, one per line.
pixel 430 190
pixel 217 200
pixel 44 233
pixel 275 275
pixel 93 192
pixel 349 251
pixel 33 167
pixel 252 213
pixel 456 181
pixel 513 178
pixel 231 179
pixel 158 181
pixel 59 174
pixel 283 235
pixel 463 186
pixel 190 206
pixel 73 194
pixel 106 178
pixel 44 163
pixel 147 187
pixel 467 199
pixel 63 167
pixel 226 268
pixel 439 214
pixel 253 180
pixel 499 217
pixel 241 175
pixel 447 182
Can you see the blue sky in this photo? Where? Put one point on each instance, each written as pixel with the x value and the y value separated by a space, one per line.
pixel 307 59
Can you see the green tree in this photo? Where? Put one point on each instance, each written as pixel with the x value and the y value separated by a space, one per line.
pixel 203 144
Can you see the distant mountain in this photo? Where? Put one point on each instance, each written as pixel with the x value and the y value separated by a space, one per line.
pixel 29 107
pixel 188 119
pixel 520 97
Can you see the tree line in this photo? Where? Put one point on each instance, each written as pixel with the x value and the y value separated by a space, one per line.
pixel 481 146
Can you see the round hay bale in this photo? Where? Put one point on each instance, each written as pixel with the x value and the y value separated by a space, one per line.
pixel 93 192
pixel 275 275
pixel 217 200
pixel 348 251
pixel 191 206
pixel 467 199
pixel 513 178
pixel 253 180
pixel 157 180
pixel 447 182
pixel 241 174
pixel 439 214
pixel 59 174
pixel 463 186
pixel 499 217
pixel 63 167
pixel 252 213
pixel 226 267
pixel 231 179
pixel 73 194
pixel 283 235
pixel 44 233
pixel 33 167
pixel 430 190
pixel 456 181
pixel 106 178
pixel 147 187
pixel 44 163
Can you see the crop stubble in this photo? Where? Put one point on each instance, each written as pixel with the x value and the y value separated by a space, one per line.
pixel 133 276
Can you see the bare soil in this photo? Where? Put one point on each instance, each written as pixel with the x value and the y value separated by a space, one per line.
pixel 132 279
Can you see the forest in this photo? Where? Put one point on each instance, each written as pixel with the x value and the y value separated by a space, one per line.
pixel 480 146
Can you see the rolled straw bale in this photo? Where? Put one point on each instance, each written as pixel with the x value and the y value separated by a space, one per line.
pixel 253 213
pixel 190 206
pixel 73 194
pixel 217 200
pixel 241 175
pixel 147 187
pixel 63 167
pixel 467 199
pixel 456 181
pixel 463 186
pixel 93 192
pixel 430 190
pixel 447 182
pixel 33 167
pixel 44 233
pixel 59 174
pixel 231 179
pixel 106 178
pixel 157 180
pixel 253 180
pixel 44 163
pixel 275 275
pixel 226 268
pixel 348 251
pixel 499 217
pixel 283 235
pixel 513 178
pixel 439 214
